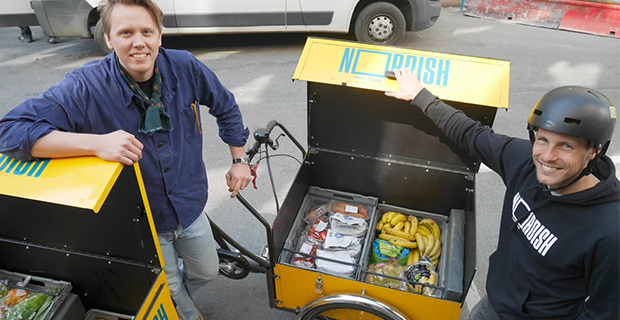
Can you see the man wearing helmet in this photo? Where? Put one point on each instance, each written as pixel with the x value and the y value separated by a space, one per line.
pixel 559 241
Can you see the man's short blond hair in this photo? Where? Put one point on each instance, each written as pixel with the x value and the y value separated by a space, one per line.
pixel 106 6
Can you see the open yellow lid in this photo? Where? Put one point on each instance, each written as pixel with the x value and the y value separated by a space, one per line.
pixel 472 80
pixel 82 182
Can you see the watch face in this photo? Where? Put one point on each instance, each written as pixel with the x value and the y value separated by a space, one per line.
pixel 243 160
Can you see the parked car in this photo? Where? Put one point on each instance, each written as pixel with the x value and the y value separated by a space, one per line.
pixel 371 21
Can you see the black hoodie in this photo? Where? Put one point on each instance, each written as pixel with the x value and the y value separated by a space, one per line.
pixel 557 256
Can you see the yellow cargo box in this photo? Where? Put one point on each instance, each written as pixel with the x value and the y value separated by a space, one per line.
pixel 87 222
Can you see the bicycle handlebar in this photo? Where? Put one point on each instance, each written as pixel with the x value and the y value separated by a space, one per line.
pixel 261 136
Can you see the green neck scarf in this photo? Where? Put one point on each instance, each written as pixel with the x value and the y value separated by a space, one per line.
pixel 155 118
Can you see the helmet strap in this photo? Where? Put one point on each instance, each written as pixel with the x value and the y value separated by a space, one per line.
pixel 532 135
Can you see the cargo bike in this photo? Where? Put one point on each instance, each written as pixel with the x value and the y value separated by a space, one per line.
pixel 373 161
pixel 94 249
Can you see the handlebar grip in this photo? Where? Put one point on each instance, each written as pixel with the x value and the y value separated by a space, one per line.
pixel 270 126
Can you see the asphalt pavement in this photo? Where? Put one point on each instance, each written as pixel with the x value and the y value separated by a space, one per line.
pixel 258 69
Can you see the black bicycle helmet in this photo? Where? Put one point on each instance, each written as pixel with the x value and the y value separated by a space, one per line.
pixel 579 112
pixel 576 111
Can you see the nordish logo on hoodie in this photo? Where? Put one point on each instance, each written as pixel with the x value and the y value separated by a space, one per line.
pixel 534 231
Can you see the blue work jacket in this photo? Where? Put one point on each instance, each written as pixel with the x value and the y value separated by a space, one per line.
pixel 96 99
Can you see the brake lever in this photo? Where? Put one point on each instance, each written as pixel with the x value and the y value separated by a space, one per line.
pixel 253 173
pixel 276 144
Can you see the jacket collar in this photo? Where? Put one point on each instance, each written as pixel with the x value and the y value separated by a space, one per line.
pixel 170 81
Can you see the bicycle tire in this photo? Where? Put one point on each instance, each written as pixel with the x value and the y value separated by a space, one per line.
pixel 349 307
pixel 232 266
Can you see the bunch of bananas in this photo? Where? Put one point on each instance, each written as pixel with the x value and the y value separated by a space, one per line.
pixel 422 237
pixel 422 276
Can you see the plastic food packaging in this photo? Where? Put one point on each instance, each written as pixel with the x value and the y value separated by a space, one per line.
pixel 391 269
pixel 335 267
pixel 338 242
pixel 423 272
pixel 309 241
pixel 316 213
pixel 383 250
pixel 348 225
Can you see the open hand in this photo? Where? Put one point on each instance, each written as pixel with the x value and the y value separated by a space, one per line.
pixel 408 83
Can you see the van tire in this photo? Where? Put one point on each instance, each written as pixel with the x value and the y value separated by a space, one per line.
pixel 100 39
pixel 381 23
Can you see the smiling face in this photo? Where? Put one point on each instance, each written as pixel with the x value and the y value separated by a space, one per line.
pixel 560 158
pixel 135 38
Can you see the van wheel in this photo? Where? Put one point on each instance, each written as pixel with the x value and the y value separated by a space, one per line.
pixel 380 22
pixel 100 39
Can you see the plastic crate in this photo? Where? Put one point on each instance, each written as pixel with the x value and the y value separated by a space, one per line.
pixel 316 197
pixel 40 285
pixel 96 314
pixel 441 220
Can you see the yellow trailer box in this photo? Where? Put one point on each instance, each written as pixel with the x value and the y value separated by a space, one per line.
pixel 87 222
pixel 365 145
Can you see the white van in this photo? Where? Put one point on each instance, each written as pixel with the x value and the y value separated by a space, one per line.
pixel 17 13
pixel 371 21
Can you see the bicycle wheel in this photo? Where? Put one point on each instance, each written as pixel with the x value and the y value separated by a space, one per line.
pixel 349 307
pixel 232 265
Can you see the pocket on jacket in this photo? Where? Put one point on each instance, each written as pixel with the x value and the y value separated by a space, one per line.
pixel 191 120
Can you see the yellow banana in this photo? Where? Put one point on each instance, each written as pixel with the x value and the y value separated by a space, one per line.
pixel 403 243
pixel 388 237
pixel 385 225
pixel 431 280
pixel 432 226
pixel 435 262
pixel 379 225
pixel 423 230
pixel 410 287
pixel 398 218
pixel 418 288
pixel 399 226
pixel 407 227
pixel 414 224
pixel 410 258
pixel 435 249
pixel 416 255
pixel 387 216
pixel 437 255
pixel 398 233
pixel 421 242
pixel 430 244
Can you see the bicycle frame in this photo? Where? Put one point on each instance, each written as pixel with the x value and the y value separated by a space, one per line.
pixel 232 254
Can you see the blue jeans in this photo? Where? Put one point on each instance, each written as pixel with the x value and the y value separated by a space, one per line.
pixel 196 246
pixel 483 311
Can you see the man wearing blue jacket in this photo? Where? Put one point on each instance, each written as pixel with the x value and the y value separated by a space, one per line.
pixel 141 103
pixel 559 241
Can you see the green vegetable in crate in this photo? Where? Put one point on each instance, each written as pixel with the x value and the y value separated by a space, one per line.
pixel 46 304
pixel 26 308
pixel 3 288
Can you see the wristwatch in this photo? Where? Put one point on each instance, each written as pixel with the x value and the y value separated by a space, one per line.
pixel 243 160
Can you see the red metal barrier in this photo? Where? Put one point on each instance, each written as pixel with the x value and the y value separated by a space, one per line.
pixel 601 18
